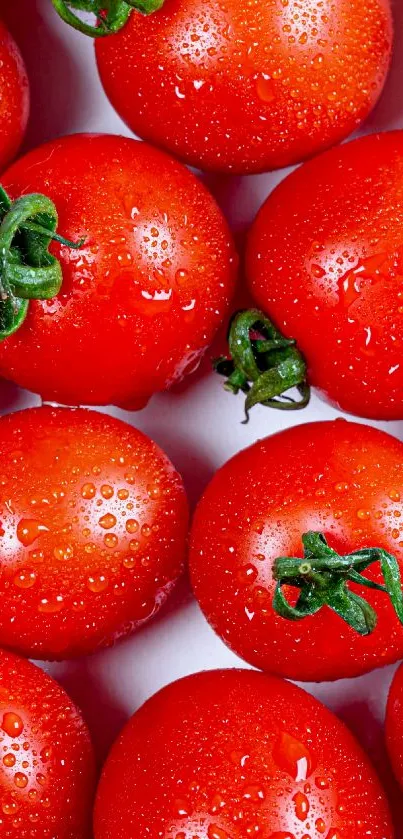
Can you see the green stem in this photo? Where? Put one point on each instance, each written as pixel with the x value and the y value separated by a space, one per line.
pixel 110 15
pixel 322 576
pixel 263 364
pixel 27 270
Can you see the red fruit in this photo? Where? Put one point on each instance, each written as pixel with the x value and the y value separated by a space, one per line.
pixel 248 87
pixel 143 297
pixel 14 97
pixel 337 478
pixel 47 770
pixel 235 754
pixel 324 261
pixel 93 530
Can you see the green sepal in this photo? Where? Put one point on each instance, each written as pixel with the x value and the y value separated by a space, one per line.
pixel 263 364
pixel 110 15
pixel 322 576
pixel 27 270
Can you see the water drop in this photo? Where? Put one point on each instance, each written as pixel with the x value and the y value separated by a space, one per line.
pixel 28 530
pixel 292 757
pixel 12 724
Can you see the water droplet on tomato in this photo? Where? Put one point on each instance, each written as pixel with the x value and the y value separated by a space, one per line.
pixel 20 780
pixel 106 491
pixel 254 793
pixel 132 525
pixel 293 757
pixel 51 605
pixel 97 583
pixel 25 578
pixel 9 807
pixel 216 832
pixel 110 540
pixel 28 530
pixel 12 724
pixel 265 87
pixel 181 808
pixel 9 760
pixel 88 491
pixel 107 521
pixel 301 806
pixel 320 826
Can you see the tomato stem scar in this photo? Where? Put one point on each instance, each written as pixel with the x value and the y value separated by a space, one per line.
pixel 322 577
pixel 263 364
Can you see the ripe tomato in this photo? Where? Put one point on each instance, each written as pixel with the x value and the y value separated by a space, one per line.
pixel 47 771
pixel 14 97
pixel 394 724
pixel 143 297
pixel 248 87
pixel 93 530
pixel 233 754
pixel 337 478
pixel 324 261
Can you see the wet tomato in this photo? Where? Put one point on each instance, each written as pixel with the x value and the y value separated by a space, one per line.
pixel 142 298
pixel 394 724
pixel 325 263
pixel 250 87
pixel 93 529
pixel 47 768
pixel 338 479
pixel 235 754
pixel 14 97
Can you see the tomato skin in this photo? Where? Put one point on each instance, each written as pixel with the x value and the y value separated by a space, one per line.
pixel 93 530
pixel 216 756
pixel 47 771
pixel 324 258
pixel 14 97
pixel 142 299
pixel 394 724
pixel 238 87
pixel 335 477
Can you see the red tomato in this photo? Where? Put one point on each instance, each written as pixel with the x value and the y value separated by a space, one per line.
pixel 144 296
pixel 14 97
pixel 47 771
pixel 235 754
pixel 325 262
pixel 338 478
pixel 247 87
pixel 394 724
pixel 93 530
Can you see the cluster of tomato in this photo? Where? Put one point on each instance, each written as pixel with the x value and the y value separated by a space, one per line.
pixel 116 270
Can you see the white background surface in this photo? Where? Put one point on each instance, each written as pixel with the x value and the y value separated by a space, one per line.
pixel 198 425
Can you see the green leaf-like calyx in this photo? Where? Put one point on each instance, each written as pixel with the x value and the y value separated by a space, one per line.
pixel 110 15
pixel 322 577
pixel 263 364
pixel 27 270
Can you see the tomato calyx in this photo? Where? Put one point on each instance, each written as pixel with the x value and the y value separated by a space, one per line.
pixel 322 576
pixel 263 364
pixel 27 270
pixel 110 15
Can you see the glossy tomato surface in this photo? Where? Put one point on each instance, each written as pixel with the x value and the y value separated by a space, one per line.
pixel 234 754
pixel 93 530
pixel 325 262
pixel 14 97
pixel 144 296
pixel 248 87
pixel 394 725
pixel 340 478
pixel 47 768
